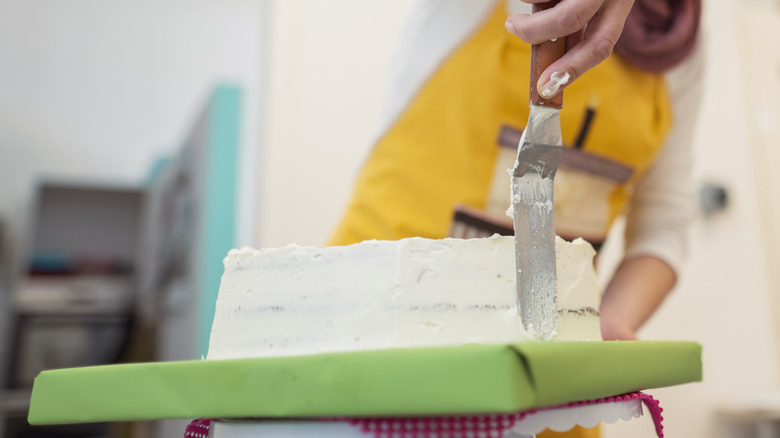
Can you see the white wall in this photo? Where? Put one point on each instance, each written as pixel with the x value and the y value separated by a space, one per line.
pixel 96 90
pixel 328 68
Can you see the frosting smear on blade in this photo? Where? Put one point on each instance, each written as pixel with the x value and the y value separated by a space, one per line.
pixel 388 294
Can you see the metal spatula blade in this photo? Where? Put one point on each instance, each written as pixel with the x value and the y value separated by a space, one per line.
pixel 532 199
pixel 534 225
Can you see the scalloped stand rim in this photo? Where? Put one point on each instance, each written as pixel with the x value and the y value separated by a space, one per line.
pixel 558 419
pixel 566 418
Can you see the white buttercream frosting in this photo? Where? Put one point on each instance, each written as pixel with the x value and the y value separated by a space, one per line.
pixel 557 80
pixel 388 294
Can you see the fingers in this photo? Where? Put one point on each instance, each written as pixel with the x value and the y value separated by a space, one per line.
pixel 599 40
pixel 564 19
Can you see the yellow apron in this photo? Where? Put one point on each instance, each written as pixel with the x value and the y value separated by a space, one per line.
pixel 442 151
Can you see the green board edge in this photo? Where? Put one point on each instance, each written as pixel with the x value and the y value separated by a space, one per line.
pixel 469 379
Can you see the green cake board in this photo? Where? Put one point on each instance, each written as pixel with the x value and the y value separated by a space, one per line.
pixel 469 379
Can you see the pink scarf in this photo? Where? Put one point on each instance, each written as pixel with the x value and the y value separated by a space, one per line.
pixel 659 33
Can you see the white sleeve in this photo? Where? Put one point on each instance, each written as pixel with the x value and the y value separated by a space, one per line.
pixel 662 205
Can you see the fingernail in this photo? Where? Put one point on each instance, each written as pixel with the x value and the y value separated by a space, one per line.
pixel 510 27
pixel 557 79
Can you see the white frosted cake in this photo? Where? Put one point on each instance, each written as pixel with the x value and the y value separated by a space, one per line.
pixel 389 294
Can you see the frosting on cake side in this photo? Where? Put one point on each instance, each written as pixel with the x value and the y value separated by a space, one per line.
pixel 388 294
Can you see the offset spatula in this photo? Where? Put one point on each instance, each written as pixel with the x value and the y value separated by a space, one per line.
pixel 532 199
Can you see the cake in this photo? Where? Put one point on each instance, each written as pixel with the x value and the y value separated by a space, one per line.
pixel 389 294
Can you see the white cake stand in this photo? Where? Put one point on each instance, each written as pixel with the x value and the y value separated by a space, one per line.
pixel 558 419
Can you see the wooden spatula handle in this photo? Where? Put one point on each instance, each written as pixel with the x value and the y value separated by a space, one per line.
pixel 542 56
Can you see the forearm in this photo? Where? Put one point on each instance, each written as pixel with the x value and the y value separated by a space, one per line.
pixel 638 288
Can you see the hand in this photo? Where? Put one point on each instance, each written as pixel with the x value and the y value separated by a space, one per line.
pixel 601 20
pixel 638 288
pixel 613 329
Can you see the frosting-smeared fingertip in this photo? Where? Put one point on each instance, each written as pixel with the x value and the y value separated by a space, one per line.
pixel 553 85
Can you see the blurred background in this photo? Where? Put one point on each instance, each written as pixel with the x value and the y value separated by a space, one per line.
pixel 140 140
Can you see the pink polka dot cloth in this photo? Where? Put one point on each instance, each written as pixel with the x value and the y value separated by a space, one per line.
pixel 477 426
pixel 198 428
